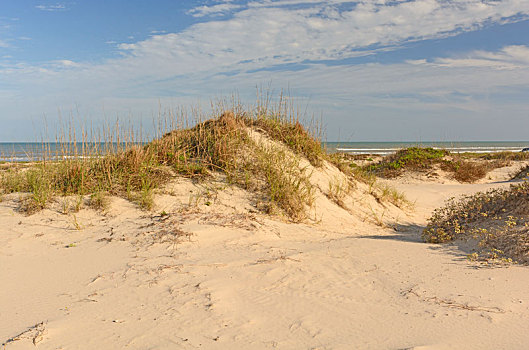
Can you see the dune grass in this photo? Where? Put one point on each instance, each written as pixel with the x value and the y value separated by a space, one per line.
pixel 134 171
pixel 383 192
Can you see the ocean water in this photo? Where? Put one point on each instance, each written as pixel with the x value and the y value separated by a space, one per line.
pixel 384 148
pixel 32 151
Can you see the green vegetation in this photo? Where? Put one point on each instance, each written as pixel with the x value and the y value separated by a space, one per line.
pixel 497 219
pixel 414 158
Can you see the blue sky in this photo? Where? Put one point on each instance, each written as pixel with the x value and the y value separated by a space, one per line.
pixel 374 70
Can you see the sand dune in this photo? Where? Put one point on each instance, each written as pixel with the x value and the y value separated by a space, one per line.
pixel 222 276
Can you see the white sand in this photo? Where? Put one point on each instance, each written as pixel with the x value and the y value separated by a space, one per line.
pixel 244 281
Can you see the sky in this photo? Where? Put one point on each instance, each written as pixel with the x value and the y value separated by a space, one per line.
pixel 373 70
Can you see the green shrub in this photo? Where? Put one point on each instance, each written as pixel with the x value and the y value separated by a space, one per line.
pixel 414 158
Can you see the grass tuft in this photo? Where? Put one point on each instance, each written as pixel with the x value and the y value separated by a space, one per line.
pixel 99 201
pixel 381 191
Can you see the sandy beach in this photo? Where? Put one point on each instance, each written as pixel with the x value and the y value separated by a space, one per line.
pixel 205 270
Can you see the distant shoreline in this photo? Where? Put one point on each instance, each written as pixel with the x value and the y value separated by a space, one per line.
pixel 384 148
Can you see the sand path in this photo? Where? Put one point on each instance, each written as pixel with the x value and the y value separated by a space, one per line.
pixel 118 283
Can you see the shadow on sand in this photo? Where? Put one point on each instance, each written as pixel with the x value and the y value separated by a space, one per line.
pixel 458 250
pixel 400 232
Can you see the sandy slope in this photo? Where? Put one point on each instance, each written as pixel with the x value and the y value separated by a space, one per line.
pixel 130 279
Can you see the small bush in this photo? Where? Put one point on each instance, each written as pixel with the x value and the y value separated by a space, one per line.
pixel 470 171
pixel 39 185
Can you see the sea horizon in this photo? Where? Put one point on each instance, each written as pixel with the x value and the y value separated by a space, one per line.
pixel 31 151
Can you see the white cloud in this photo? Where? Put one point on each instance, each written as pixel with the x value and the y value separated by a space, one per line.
pixel 510 57
pixel 51 8
pixel 65 63
pixel 265 33
pixel 215 10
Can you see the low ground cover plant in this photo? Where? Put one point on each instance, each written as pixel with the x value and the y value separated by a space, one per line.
pixel 498 220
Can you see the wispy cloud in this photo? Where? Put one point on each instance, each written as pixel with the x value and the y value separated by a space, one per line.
pixel 52 7
pixel 65 64
pixel 510 57
pixel 213 10
pixel 266 33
